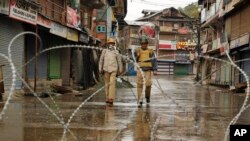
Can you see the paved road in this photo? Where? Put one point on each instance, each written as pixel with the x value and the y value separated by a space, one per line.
pixel 179 111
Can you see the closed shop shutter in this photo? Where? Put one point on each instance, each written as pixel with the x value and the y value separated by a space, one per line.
pixel 55 58
pixel 165 67
pixel 181 69
pixel 235 27
pixel 244 21
pixel 54 64
pixel 8 29
pixel 245 65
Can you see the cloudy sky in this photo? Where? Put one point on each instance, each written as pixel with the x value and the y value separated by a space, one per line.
pixel 136 6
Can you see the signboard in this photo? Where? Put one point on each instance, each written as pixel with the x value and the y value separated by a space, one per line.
pixel 167 45
pixel 83 38
pixel 183 31
pixel 43 21
pixel 186 45
pixel 58 30
pixel 72 35
pixel 23 11
pixel 73 18
pixel 4 7
pixel 239 41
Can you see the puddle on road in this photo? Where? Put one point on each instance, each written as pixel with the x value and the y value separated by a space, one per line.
pixel 199 117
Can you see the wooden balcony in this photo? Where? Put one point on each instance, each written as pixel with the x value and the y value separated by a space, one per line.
pixel 167 29
pixel 54 10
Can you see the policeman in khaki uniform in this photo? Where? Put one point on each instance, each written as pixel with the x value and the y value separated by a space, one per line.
pixel 110 64
pixel 148 63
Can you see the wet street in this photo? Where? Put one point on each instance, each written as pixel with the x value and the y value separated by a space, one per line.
pixel 179 111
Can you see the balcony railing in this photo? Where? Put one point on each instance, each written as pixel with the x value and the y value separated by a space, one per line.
pixel 215 44
pixel 54 11
pixel 213 10
pixel 167 29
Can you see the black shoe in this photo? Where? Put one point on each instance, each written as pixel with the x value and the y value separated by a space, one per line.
pixel 140 104
pixel 147 100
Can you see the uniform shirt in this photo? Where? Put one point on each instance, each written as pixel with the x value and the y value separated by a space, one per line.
pixel 110 61
pixel 146 59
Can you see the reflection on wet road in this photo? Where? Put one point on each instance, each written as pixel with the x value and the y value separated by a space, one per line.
pixel 179 110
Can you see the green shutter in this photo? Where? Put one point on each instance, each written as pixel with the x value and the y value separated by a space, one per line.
pixel 98 29
pixel 181 69
pixel 103 29
pixel 54 64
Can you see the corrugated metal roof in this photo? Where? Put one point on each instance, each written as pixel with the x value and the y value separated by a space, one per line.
pixel 139 23
pixel 149 16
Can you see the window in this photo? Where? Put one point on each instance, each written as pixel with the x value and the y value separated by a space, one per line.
pixel 100 28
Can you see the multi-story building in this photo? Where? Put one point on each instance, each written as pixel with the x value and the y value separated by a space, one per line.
pixel 225 25
pixel 131 41
pixel 237 26
pixel 110 21
pixel 57 22
pixel 175 37
pixel 212 31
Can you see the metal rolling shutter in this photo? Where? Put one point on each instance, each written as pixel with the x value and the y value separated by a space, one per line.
pixel 246 65
pixel 244 20
pixel 8 29
pixel 54 62
pixel 235 26
pixel 181 69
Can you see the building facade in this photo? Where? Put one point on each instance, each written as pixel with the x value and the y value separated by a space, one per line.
pixel 225 26
pixel 175 38
pixel 58 23
pixel 132 42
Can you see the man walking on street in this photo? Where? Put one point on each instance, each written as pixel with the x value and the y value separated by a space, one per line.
pixel 110 64
pixel 147 62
